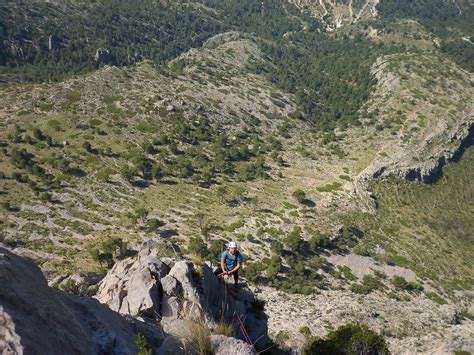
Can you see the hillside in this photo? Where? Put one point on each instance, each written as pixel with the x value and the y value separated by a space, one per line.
pixel 335 148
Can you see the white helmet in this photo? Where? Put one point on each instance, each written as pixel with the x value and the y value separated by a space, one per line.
pixel 232 244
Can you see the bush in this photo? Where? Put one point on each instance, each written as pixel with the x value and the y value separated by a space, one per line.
pixel 155 223
pixel 293 240
pixel 198 247
pixel 142 345
pixel 399 282
pixel 369 284
pixel 348 339
pixel 299 195
pixel 276 247
pixel 346 271
pixel 361 250
pixel 104 174
pixel 258 305
pixel 436 298
pixel 304 330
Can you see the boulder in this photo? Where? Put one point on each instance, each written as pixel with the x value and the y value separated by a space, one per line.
pixel 144 296
pixel 230 346
pixel 132 286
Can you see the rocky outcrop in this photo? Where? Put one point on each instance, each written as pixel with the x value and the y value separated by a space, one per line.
pixel 79 283
pixel 36 319
pixel 419 151
pixel 144 296
pixel 104 56
pixel 132 286
pixel 430 170
pixel 54 43
pixel 145 286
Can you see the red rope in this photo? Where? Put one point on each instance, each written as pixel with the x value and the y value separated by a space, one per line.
pixel 241 323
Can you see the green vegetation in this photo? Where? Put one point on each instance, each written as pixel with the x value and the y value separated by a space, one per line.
pixel 400 283
pixel 348 339
pixel 450 21
pixel 369 283
pixel 299 195
pixel 142 345
pixel 431 223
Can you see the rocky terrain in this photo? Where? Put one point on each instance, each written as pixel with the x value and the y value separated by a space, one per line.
pixel 348 187
pixel 164 303
pixel 339 13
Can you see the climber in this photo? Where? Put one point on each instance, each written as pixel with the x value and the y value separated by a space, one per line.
pixel 231 262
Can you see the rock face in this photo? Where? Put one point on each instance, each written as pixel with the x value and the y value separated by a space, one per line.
pixel 164 301
pixel 36 319
pixel 104 56
pixel 53 42
pixel 145 286
pixel 132 286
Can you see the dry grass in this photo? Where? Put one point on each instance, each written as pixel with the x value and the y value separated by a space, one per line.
pixel 199 341
pixel 224 328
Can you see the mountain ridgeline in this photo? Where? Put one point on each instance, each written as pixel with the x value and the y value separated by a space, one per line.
pixel 329 73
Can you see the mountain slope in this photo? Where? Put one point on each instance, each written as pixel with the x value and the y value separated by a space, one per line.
pixel 339 158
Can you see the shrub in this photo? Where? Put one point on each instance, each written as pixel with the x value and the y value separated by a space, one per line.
pixel 360 289
pixel 104 174
pixel 198 247
pixel 276 247
pixel 414 286
pixel 273 266
pixel 369 284
pixel 69 286
pixel 436 298
pixel 304 330
pixel 293 240
pixel 329 187
pixel 361 250
pixel 142 345
pixel 155 223
pixel 348 339
pixel 233 226
pixel 299 195
pixel 346 271
pixel 400 283
pixel 258 305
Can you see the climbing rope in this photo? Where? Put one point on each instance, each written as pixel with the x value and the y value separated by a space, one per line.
pixel 230 302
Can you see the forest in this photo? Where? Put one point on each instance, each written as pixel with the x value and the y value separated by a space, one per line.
pixel 328 72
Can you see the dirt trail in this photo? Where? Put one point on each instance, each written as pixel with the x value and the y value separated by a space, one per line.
pixel 351 12
pixel 373 10
pixel 324 8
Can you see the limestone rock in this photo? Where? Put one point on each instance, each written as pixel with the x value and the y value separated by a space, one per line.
pixel 104 56
pixel 131 286
pixel 53 42
pixel 230 346
pixel 145 286
pixel 39 320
